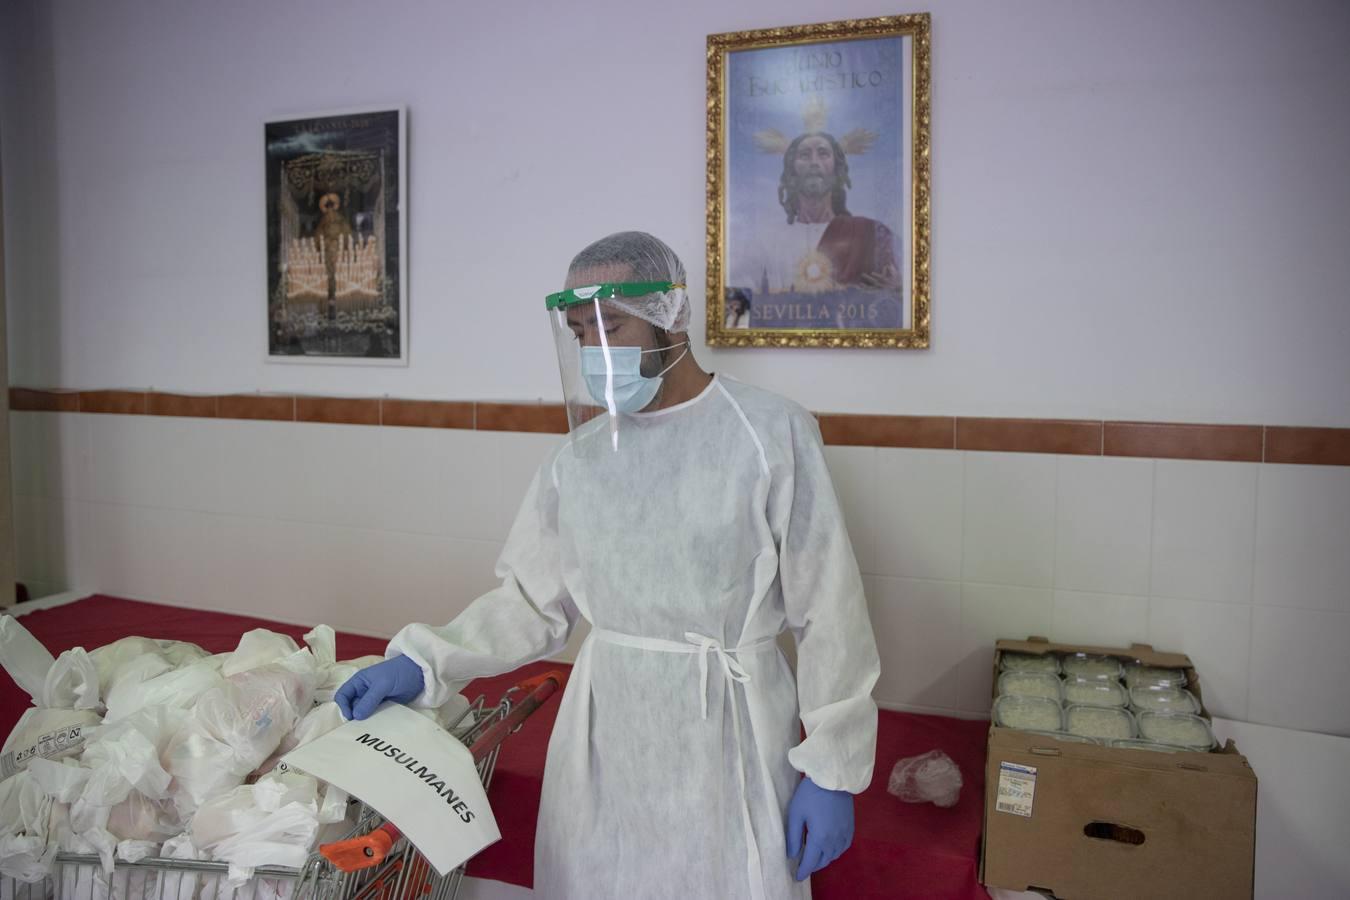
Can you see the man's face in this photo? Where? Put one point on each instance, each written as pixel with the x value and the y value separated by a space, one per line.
pixel 621 329
pixel 814 165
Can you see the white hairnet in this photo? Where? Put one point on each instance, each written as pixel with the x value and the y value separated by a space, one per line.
pixel 650 260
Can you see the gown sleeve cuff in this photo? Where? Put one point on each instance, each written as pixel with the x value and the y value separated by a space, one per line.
pixel 417 642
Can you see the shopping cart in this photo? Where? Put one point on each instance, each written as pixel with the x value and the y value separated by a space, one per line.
pixel 373 861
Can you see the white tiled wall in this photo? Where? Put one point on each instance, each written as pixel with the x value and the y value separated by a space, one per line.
pixel 1244 567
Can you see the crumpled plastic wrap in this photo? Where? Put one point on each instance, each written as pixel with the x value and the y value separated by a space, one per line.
pixel 931 777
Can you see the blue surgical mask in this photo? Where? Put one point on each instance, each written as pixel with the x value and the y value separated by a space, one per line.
pixel 633 391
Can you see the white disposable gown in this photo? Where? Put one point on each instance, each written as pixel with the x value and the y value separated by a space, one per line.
pixel 678 743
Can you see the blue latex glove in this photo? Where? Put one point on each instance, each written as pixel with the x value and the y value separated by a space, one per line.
pixel 827 817
pixel 398 679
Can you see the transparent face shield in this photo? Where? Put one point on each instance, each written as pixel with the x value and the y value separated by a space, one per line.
pixel 613 362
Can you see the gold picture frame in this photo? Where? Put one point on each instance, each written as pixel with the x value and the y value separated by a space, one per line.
pixel 826 264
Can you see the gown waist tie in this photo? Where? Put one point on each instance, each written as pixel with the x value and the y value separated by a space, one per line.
pixel 733 673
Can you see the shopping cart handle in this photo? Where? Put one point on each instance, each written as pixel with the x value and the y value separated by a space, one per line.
pixel 536 692
pixel 362 852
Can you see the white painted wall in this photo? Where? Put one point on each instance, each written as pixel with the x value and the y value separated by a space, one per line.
pixel 1140 209
pixel 1242 566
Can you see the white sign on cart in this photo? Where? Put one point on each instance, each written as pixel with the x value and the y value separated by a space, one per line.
pixel 415 774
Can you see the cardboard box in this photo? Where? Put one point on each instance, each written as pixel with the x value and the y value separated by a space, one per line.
pixel 1082 821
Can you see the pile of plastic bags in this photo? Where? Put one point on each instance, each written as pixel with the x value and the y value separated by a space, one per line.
pixel 156 748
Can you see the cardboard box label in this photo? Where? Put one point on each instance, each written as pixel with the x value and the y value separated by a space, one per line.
pixel 1016 788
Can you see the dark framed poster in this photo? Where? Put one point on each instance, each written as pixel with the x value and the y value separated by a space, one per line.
pixel 337 238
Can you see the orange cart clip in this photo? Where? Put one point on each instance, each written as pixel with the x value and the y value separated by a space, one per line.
pixel 362 852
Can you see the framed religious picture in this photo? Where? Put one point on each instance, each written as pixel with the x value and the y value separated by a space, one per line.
pixel 818 185
pixel 337 237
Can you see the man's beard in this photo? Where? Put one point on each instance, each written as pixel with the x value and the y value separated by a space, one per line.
pixel 815 185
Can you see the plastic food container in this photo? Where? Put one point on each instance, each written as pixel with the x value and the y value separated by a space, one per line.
pixel 1094 692
pixel 1030 684
pixel 1178 729
pixel 1028 713
pixel 1090 665
pixel 1065 736
pixel 1099 722
pixel 1137 744
pixel 1044 663
pixel 1138 675
pixel 1164 699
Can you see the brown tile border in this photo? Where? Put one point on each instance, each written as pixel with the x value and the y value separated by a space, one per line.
pixel 923 432
pixel 1308 446
pixel 36 400
pixel 1164 440
pixel 1156 440
pixel 128 403
pixel 198 406
pixel 274 407
pixel 540 418
pixel 338 410
pixel 1069 436
pixel 426 413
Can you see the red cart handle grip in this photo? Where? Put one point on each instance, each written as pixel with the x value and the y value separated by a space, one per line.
pixel 529 685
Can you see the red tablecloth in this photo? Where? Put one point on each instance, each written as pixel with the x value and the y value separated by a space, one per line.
pixel 900 850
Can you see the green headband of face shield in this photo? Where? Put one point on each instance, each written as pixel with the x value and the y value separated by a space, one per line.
pixel 579 295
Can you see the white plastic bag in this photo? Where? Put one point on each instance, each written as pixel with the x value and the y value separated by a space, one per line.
pixel 134 882
pixel 126 754
pixel 322 642
pixel 23 656
pixel 43 733
pixel 320 720
pixel 110 659
pixel 181 653
pixel 135 851
pixel 258 647
pixel 271 823
pixel 71 682
pixel 62 780
pixel 336 675
pixel 234 727
pixel 83 882
pixel 25 816
pixel 139 819
pixel 147 683
pixel 930 777
pixel 178 885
